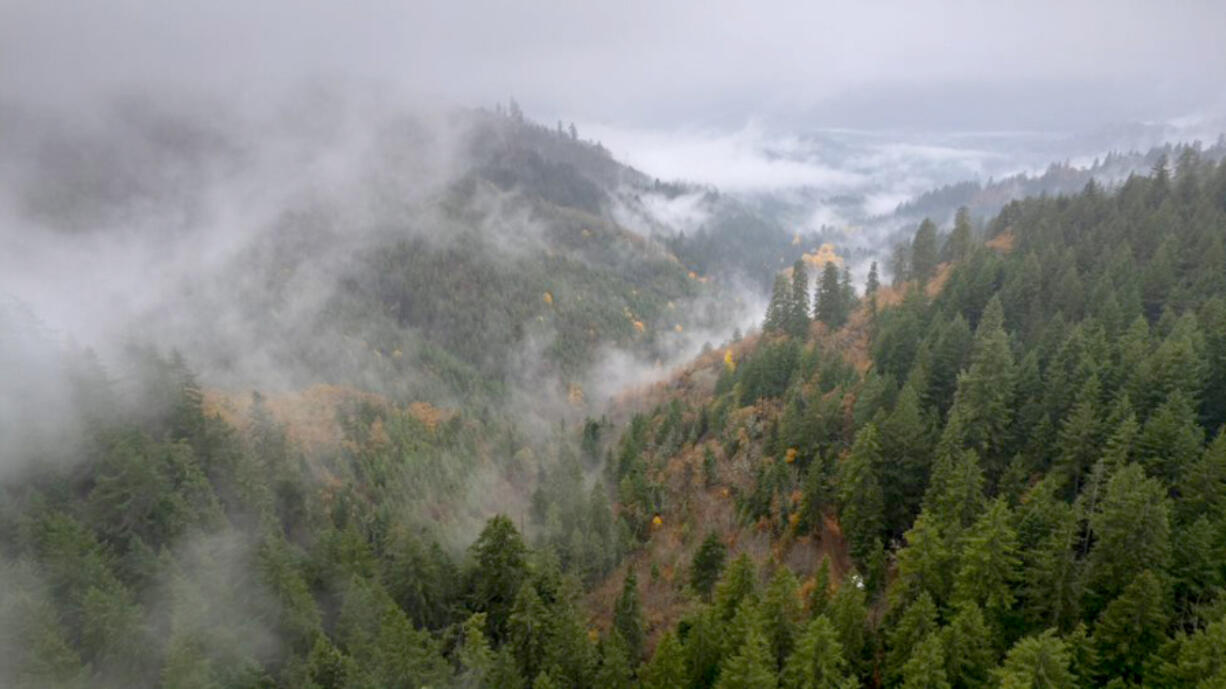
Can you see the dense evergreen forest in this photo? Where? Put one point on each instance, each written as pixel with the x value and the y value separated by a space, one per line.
pixel 1006 469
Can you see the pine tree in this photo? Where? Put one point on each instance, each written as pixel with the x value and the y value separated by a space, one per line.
pixel 925 564
pixel 847 295
pixel 924 252
pixel 779 310
pixel 863 509
pixel 1037 662
pixel 819 601
pixel 829 300
pixel 476 658
pixel 528 631
pixel 615 670
pixel 871 285
pixel 818 661
pixel 849 615
pixel 1131 628
pixel 628 617
pixel 708 564
pixel 968 643
pixel 1049 531
pixel 1132 531
pixel 917 623
pixel 905 441
pixel 1172 440
pixel 750 667
pixel 955 492
pixel 989 562
pixel 781 610
pixel 1080 440
pixel 958 246
pixel 984 400
pixel 798 312
pixel 925 669
pixel 499 570
pixel 667 667
pixel 739 583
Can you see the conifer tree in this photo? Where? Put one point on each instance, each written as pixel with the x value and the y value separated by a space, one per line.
pixel 925 669
pixel 779 310
pixel 984 400
pixel 917 622
pixel 1131 529
pixel 1037 662
pixel 829 300
pixel 989 562
pixel 871 285
pixel 708 564
pixel 738 584
pixel 628 617
pixel 615 670
pixel 863 509
pixel 925 564
pixel 818 661
pixel 528 631
pixel 781 612
pixel 849 615
pixel 667 667
pixel 798 312
pixel 499 570
pixel 1131 628
pixel 924 252
pixel 968 644
pixel 750 667
pixel 959 243
pixel 819 601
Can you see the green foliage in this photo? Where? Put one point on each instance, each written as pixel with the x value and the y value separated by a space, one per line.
pixel 1037 662
pixel 708 564
pixel 860 496
pixel 818 661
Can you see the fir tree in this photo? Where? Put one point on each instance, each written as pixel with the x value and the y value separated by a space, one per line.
pixel 924 252
pixel 628 617
pixel 667 667
pixel 708 564
pixel 750 667
pixel 779 310
pixel 829 300
pixel 798 312
pixel 1037 662
pixel 925 669
pixel 818 661
pixel 860 494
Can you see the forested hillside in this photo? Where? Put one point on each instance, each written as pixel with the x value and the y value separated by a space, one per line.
pixel 1026 475
pixel 1006 470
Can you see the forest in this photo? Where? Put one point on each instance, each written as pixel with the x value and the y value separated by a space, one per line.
pixel 1005 468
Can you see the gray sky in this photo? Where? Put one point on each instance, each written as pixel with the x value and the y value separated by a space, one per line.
pixel 651 63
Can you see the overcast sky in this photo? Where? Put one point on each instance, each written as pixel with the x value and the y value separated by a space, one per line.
pixel 652 63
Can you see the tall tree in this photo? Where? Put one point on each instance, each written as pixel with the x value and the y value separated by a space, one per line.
pixel 828 302
pixel 708 564
pixel 1132 534
pixel 628 616
pixel 863 508
pixel 779 310
pixel 817 662
pixel 958 246
pixel 750 667
pixel 500 567
pixel 1037 662
pixel 924 252
pixel 925 669
pixel 989 563
pixel 798 312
